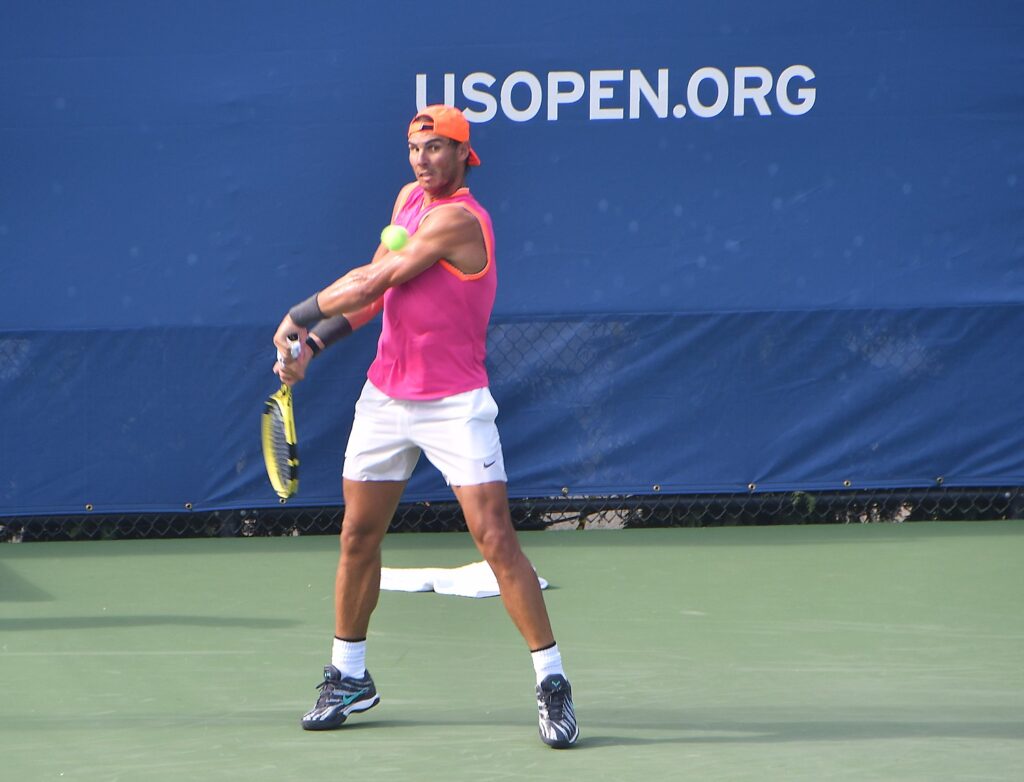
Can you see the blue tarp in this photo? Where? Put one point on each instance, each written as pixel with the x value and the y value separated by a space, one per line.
pixel 737 243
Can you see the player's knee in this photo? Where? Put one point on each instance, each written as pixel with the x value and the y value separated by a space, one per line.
pixel 498 544
pixel 358 540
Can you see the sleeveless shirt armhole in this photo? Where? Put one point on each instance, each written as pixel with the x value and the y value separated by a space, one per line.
pixel 448 266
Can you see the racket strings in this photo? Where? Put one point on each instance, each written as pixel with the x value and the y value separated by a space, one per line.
pixel 282 449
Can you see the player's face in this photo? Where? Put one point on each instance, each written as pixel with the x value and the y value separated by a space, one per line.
pixel 438 163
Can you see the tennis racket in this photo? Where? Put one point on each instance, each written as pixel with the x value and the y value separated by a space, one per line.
pixel 277 432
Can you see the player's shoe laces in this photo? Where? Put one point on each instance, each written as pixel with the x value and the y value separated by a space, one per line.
pixel 558 726
pixel 340 696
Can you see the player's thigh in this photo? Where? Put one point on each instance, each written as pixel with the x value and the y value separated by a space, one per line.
pixel 369 508
pixel 485 506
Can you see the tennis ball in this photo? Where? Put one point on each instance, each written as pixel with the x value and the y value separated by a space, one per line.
pixel 394 237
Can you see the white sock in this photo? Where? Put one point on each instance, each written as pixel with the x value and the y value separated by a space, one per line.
pixel 546 662
pixel 349 657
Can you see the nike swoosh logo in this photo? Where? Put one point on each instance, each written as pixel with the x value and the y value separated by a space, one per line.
pixel 347 699
pixel 488 464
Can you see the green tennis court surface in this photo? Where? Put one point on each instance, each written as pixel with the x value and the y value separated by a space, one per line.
pixel 874 652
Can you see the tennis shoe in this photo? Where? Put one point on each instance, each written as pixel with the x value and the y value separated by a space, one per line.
pixel 558 726
pixel 339 697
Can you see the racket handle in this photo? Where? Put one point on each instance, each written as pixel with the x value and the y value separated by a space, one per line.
pixel 295 347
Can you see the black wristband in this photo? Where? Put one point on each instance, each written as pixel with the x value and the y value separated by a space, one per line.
pixel 307 312
pixel 330 330
pixel 313 345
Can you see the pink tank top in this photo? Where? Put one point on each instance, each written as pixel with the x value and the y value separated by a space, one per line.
pixel 434 338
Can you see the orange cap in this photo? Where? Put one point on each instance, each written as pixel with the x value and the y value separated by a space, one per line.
pixel 445 121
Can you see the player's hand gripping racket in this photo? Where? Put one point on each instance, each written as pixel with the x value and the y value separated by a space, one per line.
pixel 277 430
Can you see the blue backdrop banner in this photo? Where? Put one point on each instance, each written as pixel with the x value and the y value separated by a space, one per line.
pixel 737 243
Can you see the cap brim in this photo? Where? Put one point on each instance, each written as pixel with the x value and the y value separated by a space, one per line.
pixel 474 158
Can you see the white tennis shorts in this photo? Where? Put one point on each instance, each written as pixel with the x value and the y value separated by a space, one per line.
pixel 457 433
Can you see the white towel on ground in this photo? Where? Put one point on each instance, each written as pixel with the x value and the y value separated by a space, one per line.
pixel 474 580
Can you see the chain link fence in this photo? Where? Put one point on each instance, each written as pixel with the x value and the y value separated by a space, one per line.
pixel 570 352
pixel 554 513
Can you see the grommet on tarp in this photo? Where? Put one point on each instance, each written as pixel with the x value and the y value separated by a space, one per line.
pixel 656 487
pixel 88 506
pixel 847 483
pixel 565 491
pixel 751 486
pixel 188 506
pixel 938 481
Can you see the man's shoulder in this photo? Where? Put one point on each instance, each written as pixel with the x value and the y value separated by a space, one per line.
pixel 403 198
pixel 406 190
pixel 460 199
pixel 450 215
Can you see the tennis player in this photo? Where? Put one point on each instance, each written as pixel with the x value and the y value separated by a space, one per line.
pixel 427 391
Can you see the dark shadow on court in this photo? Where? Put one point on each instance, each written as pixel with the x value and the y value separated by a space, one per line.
pixel 15 589
pixel 26 624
